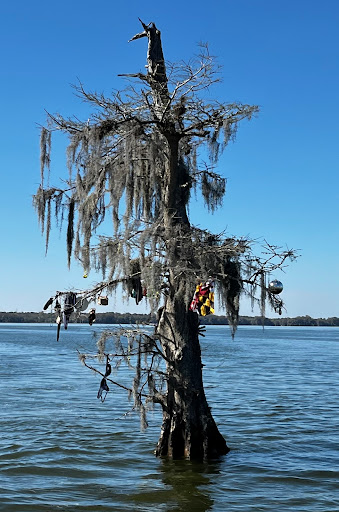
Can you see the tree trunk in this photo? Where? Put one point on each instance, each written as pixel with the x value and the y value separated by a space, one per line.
pixel 188 428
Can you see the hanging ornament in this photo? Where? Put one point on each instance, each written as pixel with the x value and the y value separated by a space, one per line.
pixel 85 274
pixel 58 322
pixel 103 300
pixel 203 299
pixel 278 305
pixel 82 304
pixel 91 316
pixel 48 303
pixel 70 301
pixel 275 287
pixel 103 387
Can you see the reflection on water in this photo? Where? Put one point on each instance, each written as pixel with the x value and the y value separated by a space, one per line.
pixel 186 487
pixel 190 484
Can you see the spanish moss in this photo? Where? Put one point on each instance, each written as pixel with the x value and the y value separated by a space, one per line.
pixel 70 230
pixel 135 162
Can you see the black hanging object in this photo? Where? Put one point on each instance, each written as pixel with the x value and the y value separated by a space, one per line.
pixel 103 383
pixel 108 368
pixel 103 387
pixel 70 301
pixel 277 305
pixel 57 309
pixel 58 327
pixel 134 282
pixel 137 291
pixel 48 303
pixel 66 316
pixel 91 316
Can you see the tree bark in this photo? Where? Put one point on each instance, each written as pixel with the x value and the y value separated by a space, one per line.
pixel 188 429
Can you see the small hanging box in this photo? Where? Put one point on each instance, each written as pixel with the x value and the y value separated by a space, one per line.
pixel 103 301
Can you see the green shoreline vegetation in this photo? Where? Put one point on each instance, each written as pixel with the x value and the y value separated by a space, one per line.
pixel 134 318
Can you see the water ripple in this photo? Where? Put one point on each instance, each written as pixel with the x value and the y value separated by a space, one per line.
pixel 273 394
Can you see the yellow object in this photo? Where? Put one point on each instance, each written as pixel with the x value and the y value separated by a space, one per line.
pixel 203 299
pixel 85 274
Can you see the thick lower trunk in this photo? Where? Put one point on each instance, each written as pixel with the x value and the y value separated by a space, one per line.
pixel 188 430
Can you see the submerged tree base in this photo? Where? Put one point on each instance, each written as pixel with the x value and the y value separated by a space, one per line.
pixel 188 429
pixel 201 441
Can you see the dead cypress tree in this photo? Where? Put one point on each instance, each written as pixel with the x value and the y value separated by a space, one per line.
pixel 137 158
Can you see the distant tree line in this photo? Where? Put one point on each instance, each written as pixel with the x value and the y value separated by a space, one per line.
pixel 135 318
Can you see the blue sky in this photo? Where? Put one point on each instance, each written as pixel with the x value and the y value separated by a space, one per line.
pixel 282 170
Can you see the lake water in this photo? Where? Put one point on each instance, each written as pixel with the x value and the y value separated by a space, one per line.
pixel 274 395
